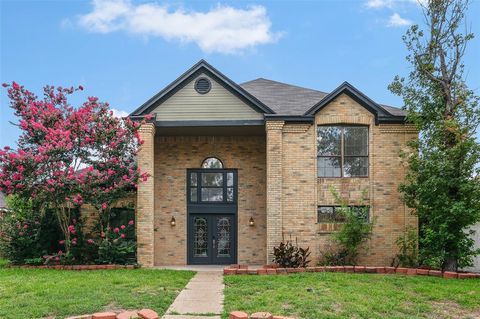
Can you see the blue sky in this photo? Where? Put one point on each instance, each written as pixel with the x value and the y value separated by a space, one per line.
pixel 126 51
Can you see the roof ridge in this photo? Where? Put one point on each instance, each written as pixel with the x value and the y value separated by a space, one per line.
pixel 297 86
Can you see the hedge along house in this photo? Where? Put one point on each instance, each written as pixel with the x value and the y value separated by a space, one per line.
pixel 237 168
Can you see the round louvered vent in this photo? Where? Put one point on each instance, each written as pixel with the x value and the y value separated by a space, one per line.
pixel 203 85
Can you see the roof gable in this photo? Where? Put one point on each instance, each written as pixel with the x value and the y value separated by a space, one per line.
pixel 355 94
pixel 202 67
pixel 187 104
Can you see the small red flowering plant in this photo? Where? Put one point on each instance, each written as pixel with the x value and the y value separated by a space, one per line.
pixel 116 245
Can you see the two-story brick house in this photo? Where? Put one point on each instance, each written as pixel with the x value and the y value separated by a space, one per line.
pixel 237 168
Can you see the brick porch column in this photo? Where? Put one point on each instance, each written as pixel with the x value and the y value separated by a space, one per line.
pixel 274 185
pixel 145 197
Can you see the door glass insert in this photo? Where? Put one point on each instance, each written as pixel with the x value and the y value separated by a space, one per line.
pixel 200 239
pixel 224 229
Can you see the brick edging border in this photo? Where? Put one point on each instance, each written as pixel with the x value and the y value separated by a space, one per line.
pixel 77 267
pixel 141 314
pixel 273 270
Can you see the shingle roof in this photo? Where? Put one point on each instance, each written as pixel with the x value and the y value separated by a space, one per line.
pixel 287 99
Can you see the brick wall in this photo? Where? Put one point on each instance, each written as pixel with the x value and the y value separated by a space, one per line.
pixel 299 185
pixel 386 172
pixel 173 155
pixel 285 160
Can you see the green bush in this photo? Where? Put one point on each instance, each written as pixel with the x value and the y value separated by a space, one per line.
pixel 408 249
pixel 356 229
pixel 20 232
pixel 115 246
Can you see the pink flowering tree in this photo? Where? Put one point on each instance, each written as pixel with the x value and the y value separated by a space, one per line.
pixel 67 156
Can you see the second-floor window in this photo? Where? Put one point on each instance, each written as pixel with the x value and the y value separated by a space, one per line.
pixel 342 151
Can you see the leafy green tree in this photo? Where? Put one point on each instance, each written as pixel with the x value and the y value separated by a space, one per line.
pixel 441 186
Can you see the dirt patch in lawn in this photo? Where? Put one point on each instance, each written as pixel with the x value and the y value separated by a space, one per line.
pixel 450 309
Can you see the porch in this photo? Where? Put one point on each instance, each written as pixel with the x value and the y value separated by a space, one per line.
pixel 189 213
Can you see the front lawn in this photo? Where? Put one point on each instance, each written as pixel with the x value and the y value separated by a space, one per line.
pixel 331 295
pixel 40 293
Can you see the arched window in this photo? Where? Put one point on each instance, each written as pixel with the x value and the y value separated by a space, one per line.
pixel 212 162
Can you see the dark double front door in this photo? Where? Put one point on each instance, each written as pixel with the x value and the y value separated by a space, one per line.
pixel 212 216
pixel 212 239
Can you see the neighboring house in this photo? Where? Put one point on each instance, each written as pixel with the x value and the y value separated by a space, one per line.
pixel 237 168
pixel 476 238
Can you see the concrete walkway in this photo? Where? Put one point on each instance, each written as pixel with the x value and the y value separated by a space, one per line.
pixel 202 298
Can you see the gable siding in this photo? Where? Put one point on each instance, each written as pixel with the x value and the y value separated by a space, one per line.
pixel 218 104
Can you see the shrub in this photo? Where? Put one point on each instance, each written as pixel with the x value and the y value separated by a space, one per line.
pixel 19 232
pixel 287 255
pixel 356 229
pixel 408 249
pixel 114 247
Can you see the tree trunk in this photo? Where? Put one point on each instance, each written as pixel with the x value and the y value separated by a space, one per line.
pixel 450 264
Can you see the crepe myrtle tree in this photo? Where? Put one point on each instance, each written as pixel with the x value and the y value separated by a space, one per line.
pixel 69 156
pixel 441 186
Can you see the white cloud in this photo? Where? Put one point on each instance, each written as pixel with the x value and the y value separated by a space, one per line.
pixel 119 113
pixel 396 20
pixel 222 29
pixel 378 4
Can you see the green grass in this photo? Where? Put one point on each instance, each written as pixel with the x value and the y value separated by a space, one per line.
pixel 331 295
pixel 3 262
pixel 39 293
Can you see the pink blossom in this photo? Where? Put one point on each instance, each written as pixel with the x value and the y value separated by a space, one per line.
pixel 122 227
pixel 90 241
pixel 25 226
pixel 104 206
pixel 61 242
pixel 122 235
pixel 131 222
pixel 148 117
pixel 116 230
pixel 72 229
